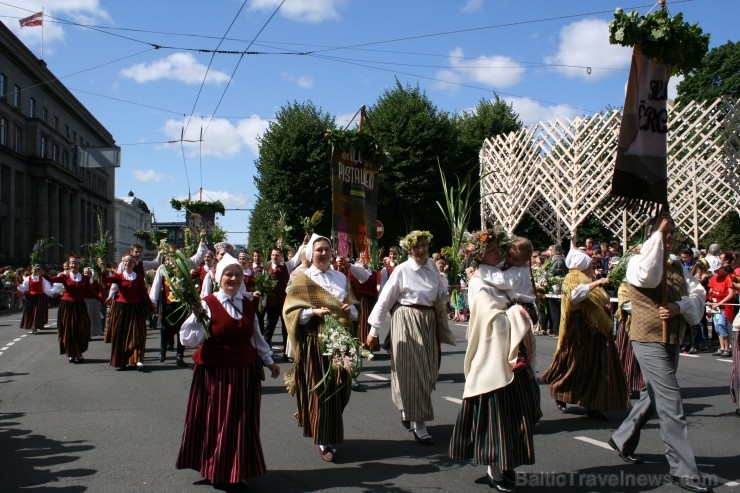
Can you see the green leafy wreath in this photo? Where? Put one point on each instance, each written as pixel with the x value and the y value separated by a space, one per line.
pixel 198 206
pixel 667 40
pixel 358 140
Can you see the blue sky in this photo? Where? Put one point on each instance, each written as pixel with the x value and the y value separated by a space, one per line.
pixel 140 69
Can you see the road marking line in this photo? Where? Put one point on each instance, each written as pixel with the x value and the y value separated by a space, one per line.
pixel 594 442
pixel 725 360
pixel 10 343
pixel 732 484
pixel 461 325
pixel 4 348
pixel 690 355
pixel 24 335
pixel 452 399
pixel 16 339
pixel 376 377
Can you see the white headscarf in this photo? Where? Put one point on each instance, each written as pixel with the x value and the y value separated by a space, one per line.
pixel 226 261
pixel 577 259
pixel 309 247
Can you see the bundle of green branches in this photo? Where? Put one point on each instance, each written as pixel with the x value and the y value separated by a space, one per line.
pixel 375 262
pixel 37 253
pixel 668 40
pixel 282 229
pixel 101 247
pixel 311 223
pixel 618 273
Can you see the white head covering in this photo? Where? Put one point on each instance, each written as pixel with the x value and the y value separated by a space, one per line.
pixel 577 259
pixel 223 245
pixel 226 261
pixel 309 247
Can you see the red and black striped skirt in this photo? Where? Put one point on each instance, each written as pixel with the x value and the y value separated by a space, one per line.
pixel 127 333
pixel 35 312
pixel 221 439
pixel 632 372
pixel 73 328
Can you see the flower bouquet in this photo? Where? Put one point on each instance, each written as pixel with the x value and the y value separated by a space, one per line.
pixel 177 269
pixel 265 285
pixel 343 350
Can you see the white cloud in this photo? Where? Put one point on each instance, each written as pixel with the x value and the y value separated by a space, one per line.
pixel 179 66
pixel 80 11
pixel 586 44
pixel 230 200
pixel 311 11
pixel 151 176
pixel 673 83
pixel 531 111
pixel 221 138
pixel 492 70
pixel 472 6
pixel 303 81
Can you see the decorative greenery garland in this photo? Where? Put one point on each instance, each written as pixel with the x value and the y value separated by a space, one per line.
pixel 198 206
pixel 667 40
pixel 358 140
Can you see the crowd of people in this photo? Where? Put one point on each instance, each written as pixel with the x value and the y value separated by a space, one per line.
pixel 316 297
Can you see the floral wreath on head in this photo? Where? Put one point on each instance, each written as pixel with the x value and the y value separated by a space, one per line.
pixel 475 244
pixel 410 240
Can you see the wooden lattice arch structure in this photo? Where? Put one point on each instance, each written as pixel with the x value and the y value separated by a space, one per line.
pixel 560 172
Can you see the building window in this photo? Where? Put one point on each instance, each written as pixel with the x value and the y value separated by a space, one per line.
pixel 45 115
pixel 3 85
pixel 56 123
pixel 17 97
pixel 3 132
pixel 42 150
pixel 55 153
pixel 31 108
pixel 65 159
pixel 18 140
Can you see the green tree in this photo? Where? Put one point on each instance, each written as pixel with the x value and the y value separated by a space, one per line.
pixel 718 75
pixel 490 118
pixel 416 136
pixel 726 233
pixel 292 173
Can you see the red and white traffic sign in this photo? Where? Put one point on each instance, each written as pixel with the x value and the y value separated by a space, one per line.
pixel 378 229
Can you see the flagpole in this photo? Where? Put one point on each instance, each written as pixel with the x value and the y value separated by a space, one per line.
pixel 42 32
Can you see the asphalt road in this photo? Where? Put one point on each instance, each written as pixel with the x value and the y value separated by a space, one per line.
pixel 87 427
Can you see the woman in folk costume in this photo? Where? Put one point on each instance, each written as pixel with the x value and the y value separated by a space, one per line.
pixel 93 302
pixel 129 315
pixel 314 293
pixel 415 296
pixel 72 320
pixel 221 438
pixel 367 294
pixel 585 368
pixel 36 305
pixel 501 400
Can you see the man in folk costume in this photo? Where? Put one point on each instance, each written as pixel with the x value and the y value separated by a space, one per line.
pixel 170 314
pixel 314 293
pixel 258 268
pixel 658 358
pixel 277 271
pixel 36 305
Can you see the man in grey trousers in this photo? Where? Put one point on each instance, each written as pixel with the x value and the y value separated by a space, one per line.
pixel 658 359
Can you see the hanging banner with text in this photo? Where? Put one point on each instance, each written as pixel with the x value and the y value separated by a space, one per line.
pixel 641 170
pixel 354 201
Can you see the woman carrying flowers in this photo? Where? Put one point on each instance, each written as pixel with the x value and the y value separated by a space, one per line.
pixel 501 399
pixel 322 387
pixel 415 296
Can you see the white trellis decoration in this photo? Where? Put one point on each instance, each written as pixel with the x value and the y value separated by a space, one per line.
pixel 561 172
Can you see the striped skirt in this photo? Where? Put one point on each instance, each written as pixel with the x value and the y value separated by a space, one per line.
pixel 414 361
pixel 93 311
pixel 367 303
pixel 109 322
pixel 73 328
pixel 127 334
pixel 221 438
pixel 586 370
pixel 632 372
pixel 497 428
pixel 320 409
pixel 735 376
pixel 35 312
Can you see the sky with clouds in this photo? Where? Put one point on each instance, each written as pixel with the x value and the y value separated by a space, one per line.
pixel 147 71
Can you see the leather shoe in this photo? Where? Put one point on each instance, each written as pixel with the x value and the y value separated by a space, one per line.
pixel 406 424
pixel 327 455
pixel 503 486
pixel 629 459
pixel 424 440
pixel 690 484
pixel 181 362
pixel 161 357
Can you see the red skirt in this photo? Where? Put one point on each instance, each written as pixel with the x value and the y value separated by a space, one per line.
pixel 631 367
pixel 221 439
pixel 127 333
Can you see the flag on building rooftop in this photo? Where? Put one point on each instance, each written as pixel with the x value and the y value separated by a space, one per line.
pixel 36 19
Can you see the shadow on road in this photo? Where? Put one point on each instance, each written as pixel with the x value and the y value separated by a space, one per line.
pixel 26 459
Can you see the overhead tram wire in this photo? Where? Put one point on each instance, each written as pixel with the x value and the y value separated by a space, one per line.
pixel 228 83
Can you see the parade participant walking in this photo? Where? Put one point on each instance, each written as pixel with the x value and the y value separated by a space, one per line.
pixel 129 316
pixel 93 301
pixel 170 315
pixel 36 305
pixel 73 322
pixel 314 293
pixel 585 368
pixel 657 357
pixel 417 329
pixel 501 399
pixel 221 437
